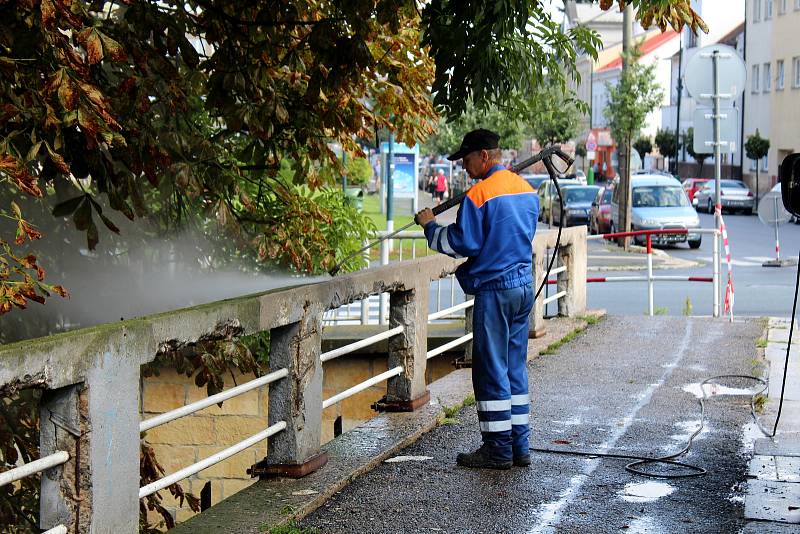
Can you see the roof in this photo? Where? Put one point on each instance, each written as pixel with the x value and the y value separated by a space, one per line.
pixel 652 42
pixel 653 179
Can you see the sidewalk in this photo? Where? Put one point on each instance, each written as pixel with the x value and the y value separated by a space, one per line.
pixel 772 501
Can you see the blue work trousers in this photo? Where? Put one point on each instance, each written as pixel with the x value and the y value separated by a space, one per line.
pixel 499 368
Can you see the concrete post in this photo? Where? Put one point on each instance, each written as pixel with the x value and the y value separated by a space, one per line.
pixel 296 399
pixel 112 398
pixel 409 309
pixel 467 329
pixel 536 317
pixel 62 486
pixel 573 280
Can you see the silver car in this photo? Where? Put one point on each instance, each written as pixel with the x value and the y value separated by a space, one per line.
pixel 659 202
pixel 734 196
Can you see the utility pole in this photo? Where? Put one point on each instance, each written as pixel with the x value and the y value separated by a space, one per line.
pixel 678 110
pixel 624 145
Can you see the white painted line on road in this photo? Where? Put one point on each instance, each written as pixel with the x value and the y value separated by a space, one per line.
pixel 748 261
pixel 550 513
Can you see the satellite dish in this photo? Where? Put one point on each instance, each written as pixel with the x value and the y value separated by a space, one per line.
pixel 771 210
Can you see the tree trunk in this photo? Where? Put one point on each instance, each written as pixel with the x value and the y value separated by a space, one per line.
pixel 625 189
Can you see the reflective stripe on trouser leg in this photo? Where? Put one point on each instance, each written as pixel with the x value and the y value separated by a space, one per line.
pixel 518 375
pixel 493 315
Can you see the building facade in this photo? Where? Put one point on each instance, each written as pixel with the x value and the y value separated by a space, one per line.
pixel 772 48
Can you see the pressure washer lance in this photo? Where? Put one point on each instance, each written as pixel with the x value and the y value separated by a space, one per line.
pixel 545 155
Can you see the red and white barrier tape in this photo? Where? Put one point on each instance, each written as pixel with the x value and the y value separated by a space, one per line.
pixel 729 286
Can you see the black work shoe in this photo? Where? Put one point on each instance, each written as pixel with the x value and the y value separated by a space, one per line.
pixel 482 458
pixel 522 460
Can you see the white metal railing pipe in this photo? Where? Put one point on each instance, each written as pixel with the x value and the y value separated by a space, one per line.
pixel 362 386
pixel 449 345
pixel 31 468
pixel 366 342
pixel 561 269
pixel 186 472
pixel 555 297
pixel 451 310
pixel 60 529
pixel 213 399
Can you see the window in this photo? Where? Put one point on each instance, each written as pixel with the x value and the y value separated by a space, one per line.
pixel 796 72
pixel 768 9
pixel 782 7
pixel 754 79
pixel 779 75
pixel 767 85
pixel 753 164
pixel 765 163
pixel 756 10
pixel 796 5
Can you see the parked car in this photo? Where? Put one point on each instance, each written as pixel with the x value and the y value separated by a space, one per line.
pixel 692 186
pixel 734 195
pixel 577 205
pixel 658 202
pixel 536 180
pixel 547 192
pixel 600 217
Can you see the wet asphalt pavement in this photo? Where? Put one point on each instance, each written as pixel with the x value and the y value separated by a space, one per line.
pixel 619 386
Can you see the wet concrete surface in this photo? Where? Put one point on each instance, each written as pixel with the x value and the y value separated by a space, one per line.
pixel 596 392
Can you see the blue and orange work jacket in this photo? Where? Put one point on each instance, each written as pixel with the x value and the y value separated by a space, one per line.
pixel 494 228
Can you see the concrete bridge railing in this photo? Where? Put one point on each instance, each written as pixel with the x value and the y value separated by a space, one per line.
pixel 90 419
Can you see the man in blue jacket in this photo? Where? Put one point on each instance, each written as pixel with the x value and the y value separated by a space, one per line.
pixel 494 229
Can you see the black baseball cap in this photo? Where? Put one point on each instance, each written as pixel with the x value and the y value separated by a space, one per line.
pixel 480 139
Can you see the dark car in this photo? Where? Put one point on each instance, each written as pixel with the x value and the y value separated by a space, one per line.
pixel 577 205
pixel 600 222
pixel 536 180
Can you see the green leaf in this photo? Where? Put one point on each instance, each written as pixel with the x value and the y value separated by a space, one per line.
pixel 83 215
pixel 65 208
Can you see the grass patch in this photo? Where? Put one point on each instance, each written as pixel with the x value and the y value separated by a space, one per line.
pixel 760 402
pixel 372 209
pixel 589 319
pixel 687 307
pixel 449 414
pixel 761 343
pixel 552 347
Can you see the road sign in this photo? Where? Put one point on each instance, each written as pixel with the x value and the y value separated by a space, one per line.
pixel 772 213
pixel 591 143
pixel 771 210
pixel 704 130
pixel 590 155
pixel 699 73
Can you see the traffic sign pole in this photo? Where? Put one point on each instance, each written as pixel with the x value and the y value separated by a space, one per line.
pixel 717 160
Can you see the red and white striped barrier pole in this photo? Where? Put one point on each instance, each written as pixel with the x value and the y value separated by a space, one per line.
pixel 729 284
pixel 650 274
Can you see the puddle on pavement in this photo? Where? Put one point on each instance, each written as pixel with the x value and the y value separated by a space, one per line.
pixel 750 433
pixel 645 491
pixel 642 525
pixel 686 429
pixel 572 421
pixel 713 390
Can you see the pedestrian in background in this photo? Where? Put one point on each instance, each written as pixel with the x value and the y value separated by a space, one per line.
pixel 440 187
pixel 494 229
